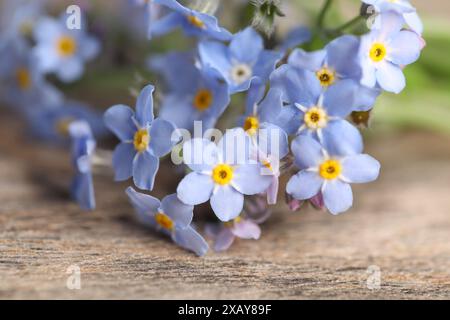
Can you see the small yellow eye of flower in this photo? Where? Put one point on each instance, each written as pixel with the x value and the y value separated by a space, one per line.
pixel 164 221
pixel 62 126
pixel 222 174
pixel 141 140
pixel 267 165
pixel 23 78
pixel 251 125
pixel 316 118
pixel 196 22
pixel 330 169
pixel 326 77
pixel 378 52
pixel 203 99
pixel 66 46
pixel 230 224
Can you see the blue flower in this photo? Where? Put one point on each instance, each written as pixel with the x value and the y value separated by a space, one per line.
pixel 221 173
pixel 385 52
pixel 192 22
pixel 52 124
pixel 337 61
pixel 149 12
pixel 269 142
pixel 242 61
pixel 329 173
pixel 295 38
pixel 143 140
pixel 171 217
pixel 401 7
pixel 83 148
pixel 61 50
pixel 23 84
pixel 18 17
pixel 317 113
pixel 193 94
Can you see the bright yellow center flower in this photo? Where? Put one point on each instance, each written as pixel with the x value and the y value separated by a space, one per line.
pixel 251 125
pixel 196 22
pixel 377 52
pixel 222 174
pixel 66 46
pixel 203 99
pixel 316 118
pixel 23 78
pixel 164 221
pixel 326 76
pixel 141 140
pixel 330 169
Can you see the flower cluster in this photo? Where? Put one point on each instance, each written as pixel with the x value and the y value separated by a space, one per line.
pixel 296 119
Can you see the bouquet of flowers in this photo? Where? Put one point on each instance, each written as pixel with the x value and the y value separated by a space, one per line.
pixel 299 118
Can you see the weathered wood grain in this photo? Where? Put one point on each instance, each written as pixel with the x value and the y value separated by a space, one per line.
pixel 400 223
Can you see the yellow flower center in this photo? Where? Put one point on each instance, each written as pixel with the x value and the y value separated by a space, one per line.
pixel 316 118
pixel 196 22
pixel 378 52
pixel 66 46
pixel 330 169
pixel 62 126
pixel 164 221
pixel 230 224
pixel 203 99
pixel 222 174
pixel 251 125
pixel 326 77
pixel 23 78
pixel 141 140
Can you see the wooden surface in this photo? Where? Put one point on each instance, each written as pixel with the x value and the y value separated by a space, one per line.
pixel 400 224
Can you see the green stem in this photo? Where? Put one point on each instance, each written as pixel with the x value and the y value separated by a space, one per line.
pixel 321 18
pixel 348 24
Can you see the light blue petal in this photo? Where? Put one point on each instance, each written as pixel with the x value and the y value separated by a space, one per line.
pixel 270 107
pixel 144 106
pixel 290 119
pixel 215 55
pixel 298 85
pixel 224 240
pixel 405 48
pixel 248 179
pixel 177 108
pixel 295 38
pixel 246 46
pixel 366 98
pixel 166 24
pixel 266 64
pixel 340 138
pixel 162 137
pixel 200 154
pixel 227 203
pixel 337 196
pixel 146 206
pixel 179 212
pixel 254 95
pixel 339 99
pixel 90 47
pixel 414 22
pixel 119 119
pixel 70 70
pixel 390 77
pixel 195 188
pixel 342 58
pixel 123 157
pixel 360 169
pixel 312 61
pixel 307 152
pixel 191 240
pixel 272 140
pixel 145 167
pixel 83 191
pixel 304 185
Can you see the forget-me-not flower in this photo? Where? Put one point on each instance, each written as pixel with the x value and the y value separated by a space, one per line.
pixel 193 23
pixel 63 51
pixel 143 140
pixel 337 61
pixel 383 54
pixel 169 216
pixel 402 7
pixel 242 61
pixel 221 173
pixel 317 113
pixel 329 173
pixel 83 148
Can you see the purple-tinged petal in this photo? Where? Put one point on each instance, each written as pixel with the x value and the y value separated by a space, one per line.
pixel 246 230
pixel 146 206
pixel 224 240
pixel 227 203
pixel 405 48
pixel 190 239
pixel 248 179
